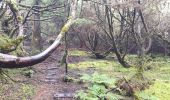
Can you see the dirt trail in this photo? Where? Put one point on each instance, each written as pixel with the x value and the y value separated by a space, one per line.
pixel 49 81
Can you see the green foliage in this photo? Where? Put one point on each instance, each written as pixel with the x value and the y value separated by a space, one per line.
pixel 13 5
pixel 67 78
pixel 105 66
pixel 99 84
pixel 160 90
pixel 28 72
pixel 154 69
pixel 2 76
pixel 109 67
pixel 95 63
pixel 97 90
pixel 7 44
pixel 81 95
pixel 77 53
pixel 159 69
pixel 27 91
pixel 19 71
pixel 16 91
pixel 15 72
pixel 97 78
pixel 8 75
pixel 143 96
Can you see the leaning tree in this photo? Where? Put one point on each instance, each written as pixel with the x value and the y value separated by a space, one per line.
pixel 10 61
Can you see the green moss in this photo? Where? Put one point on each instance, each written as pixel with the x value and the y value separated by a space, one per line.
pixel 78 53
pixel 7 44
pixel 159 91
pixel 157 69
pixel 20 18
pixel 17 91
pixel 15 72
pixel 111 68
pixel 13 5
pixel 66 27
pixel 94 63
pixel 26 91
pixel 160 70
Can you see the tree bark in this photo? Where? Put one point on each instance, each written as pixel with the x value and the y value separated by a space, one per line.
pixel 9 61
pixel 36 36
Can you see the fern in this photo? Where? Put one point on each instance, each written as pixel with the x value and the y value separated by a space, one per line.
pixel 144 96
pixel 98 88
pixel 99 79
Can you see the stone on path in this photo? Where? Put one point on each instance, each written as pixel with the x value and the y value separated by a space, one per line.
pixel 59 96
pixel 50 80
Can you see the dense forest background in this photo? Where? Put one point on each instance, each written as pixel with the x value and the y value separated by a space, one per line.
pixel 84 49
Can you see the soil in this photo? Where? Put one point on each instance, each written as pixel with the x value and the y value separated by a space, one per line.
pixel 48 79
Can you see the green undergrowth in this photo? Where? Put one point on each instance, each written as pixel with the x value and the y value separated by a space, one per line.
pixel 160 90
pixel 18 71
pixel 159 69
pixel 97 88
pixel 77 53
pixel 104 66
pixel 16 91
pixel 97 78
pixel 15 75
pixel 12 88
pixel 94 63
pixel 156 72
pixel 8 45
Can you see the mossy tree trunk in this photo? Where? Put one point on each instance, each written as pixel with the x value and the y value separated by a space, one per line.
pixel 9 61
pixel 140 38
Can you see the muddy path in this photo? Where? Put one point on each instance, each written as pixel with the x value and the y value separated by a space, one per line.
pixel 48 80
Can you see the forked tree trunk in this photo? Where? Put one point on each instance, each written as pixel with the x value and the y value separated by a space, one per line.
pixel 119 55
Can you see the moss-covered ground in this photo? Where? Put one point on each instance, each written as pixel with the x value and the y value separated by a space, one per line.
pixel 157 70
pixel 13 85
pixel 14 91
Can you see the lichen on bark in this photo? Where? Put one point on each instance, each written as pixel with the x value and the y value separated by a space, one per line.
pixel 8 45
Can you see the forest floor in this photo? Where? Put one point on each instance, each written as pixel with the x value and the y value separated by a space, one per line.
pixel 44 84
pixel 46 81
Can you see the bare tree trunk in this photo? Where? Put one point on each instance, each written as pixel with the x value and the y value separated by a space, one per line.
pixel 112 36
pixel 36 36
pixel 66 54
